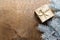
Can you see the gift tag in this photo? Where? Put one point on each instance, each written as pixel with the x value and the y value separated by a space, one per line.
pixel 44 13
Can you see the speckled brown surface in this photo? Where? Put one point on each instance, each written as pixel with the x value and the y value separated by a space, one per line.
pixel 19 15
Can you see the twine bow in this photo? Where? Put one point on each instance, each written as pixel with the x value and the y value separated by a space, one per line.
pixel 43 13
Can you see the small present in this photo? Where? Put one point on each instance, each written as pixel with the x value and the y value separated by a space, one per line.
pixel 44 13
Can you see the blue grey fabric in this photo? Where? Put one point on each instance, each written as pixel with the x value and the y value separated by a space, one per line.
pixel 52 30
pixel 55 4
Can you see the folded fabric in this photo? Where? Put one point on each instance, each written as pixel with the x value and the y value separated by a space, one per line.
pixel 57 14
pixel 55 4
pixel 47 36
pixel 43 28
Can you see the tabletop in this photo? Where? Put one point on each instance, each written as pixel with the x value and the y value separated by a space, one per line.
pixel 19 15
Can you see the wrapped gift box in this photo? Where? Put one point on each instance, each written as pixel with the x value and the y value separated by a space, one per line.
pixel 44 13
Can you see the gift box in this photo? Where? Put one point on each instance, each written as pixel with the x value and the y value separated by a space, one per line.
pixel 44 13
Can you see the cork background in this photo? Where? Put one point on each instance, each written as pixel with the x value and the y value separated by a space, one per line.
pixel 17 20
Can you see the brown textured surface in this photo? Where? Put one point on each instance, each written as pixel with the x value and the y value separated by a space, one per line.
pixel 19 15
